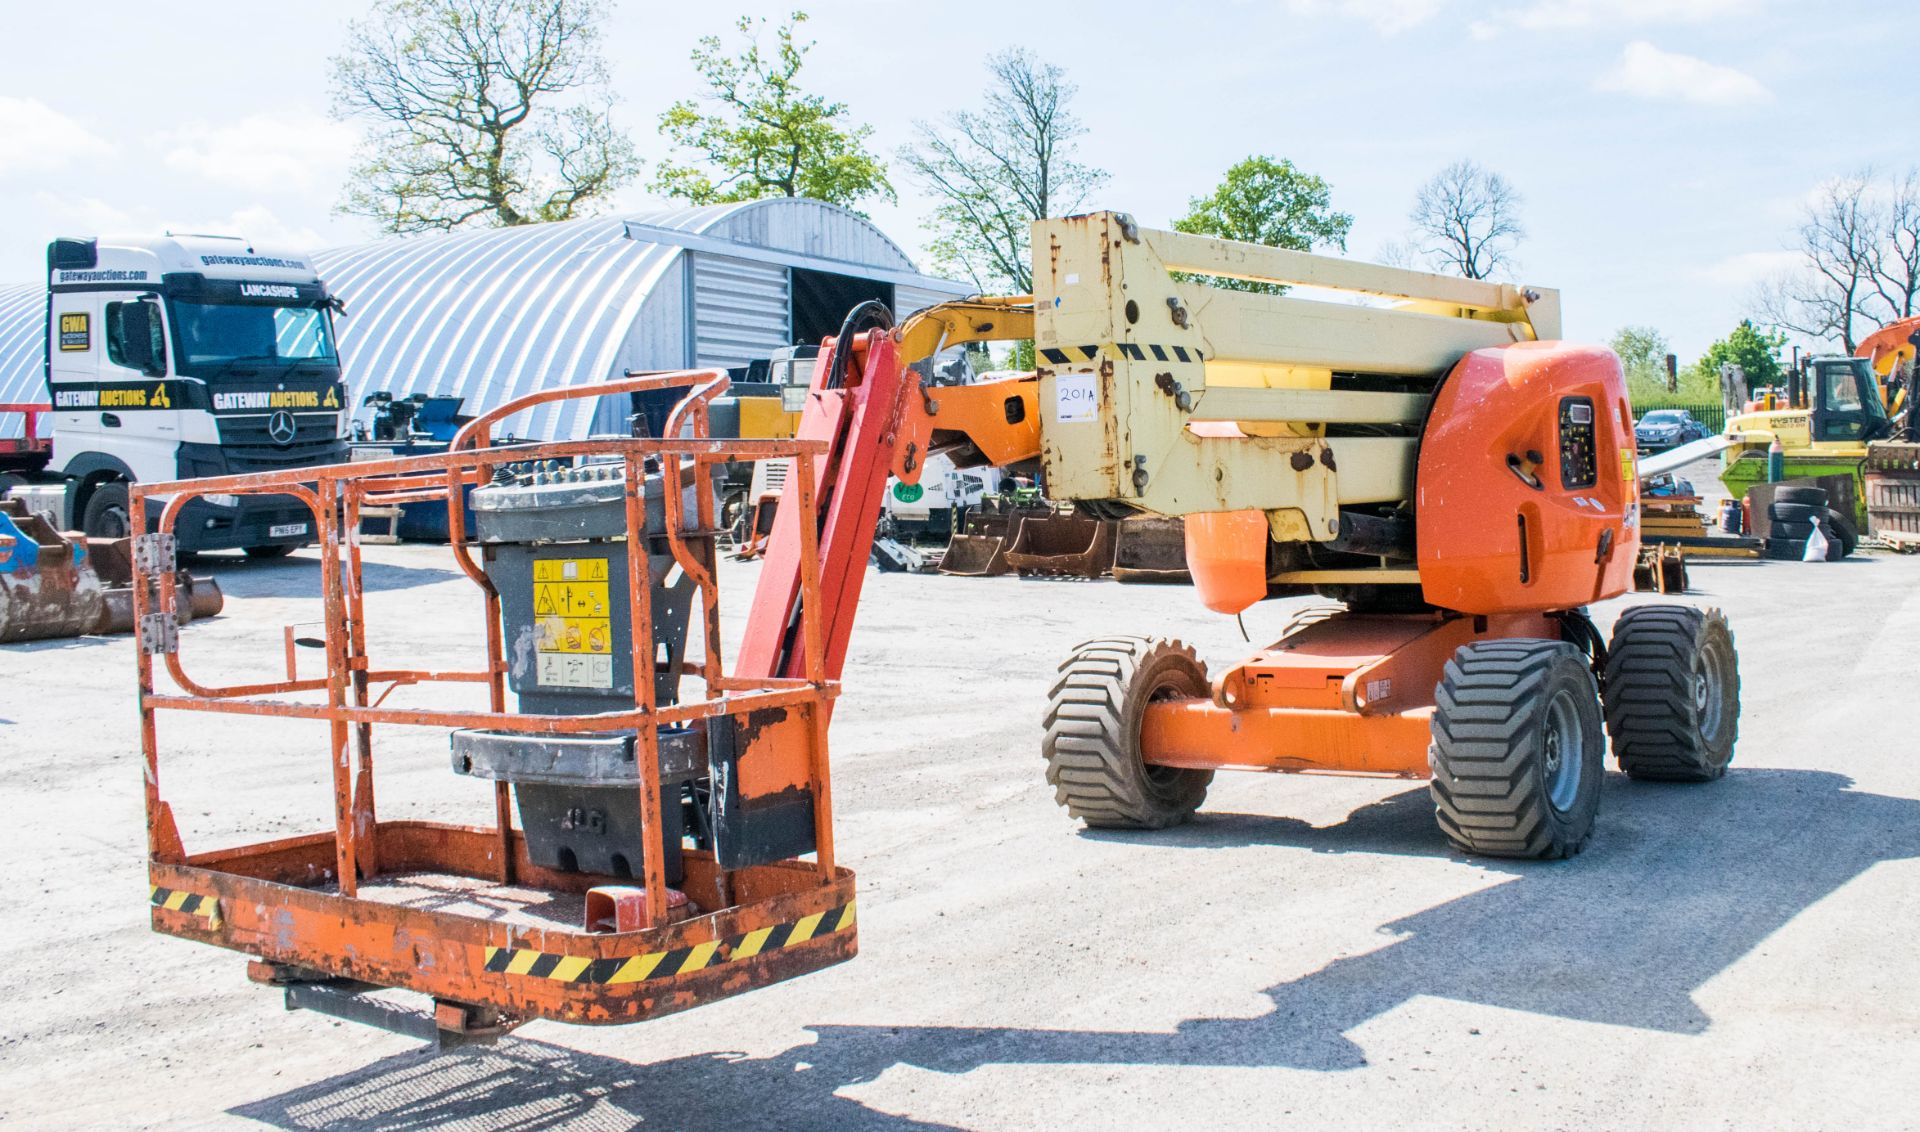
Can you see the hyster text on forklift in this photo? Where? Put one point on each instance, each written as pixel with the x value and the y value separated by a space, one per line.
pixel 181 357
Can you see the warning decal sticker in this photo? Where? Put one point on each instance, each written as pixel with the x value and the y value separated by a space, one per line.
pixel 75 332
pixel 572 616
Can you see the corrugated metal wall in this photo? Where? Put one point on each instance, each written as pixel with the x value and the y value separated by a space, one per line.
pixel 741 310
pixel 23 344
pixel 907 300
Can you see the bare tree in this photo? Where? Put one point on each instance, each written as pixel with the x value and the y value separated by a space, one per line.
pixel 1466 221
pixel 1896 262
pixel 1859 248
pixel 998 169
pixel 482 112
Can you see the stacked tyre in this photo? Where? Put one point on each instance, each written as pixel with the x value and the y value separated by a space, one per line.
pixel 1795 513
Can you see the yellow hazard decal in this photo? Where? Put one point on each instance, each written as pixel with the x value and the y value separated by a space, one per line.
pixel 573 617
pixel 1626 465
pixel 186 903
pixel 616 970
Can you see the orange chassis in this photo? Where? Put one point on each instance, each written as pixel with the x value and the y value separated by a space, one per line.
pixel 300 906
pixel 1349 695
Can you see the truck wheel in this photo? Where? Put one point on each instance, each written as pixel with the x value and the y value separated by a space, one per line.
pixel 266 552
pixel 108 514
pixel 1673 693
pixel 1517 746
pixel 1092 742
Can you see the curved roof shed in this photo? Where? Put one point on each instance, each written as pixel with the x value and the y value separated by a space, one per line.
pixel 490 315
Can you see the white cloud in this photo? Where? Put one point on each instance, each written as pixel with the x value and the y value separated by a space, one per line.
pixel 35 138
pixel 1749 268
pixel 1645 71
pixel 1558 15
pixel 1388 17
pixel 256 223
pixel 262 152
pixel 1591 13
pixel 91 216
pixel 81 215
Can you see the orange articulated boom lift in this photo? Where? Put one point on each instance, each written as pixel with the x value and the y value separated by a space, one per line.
pixel 1461 484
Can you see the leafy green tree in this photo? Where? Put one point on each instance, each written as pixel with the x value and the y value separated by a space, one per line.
pixel 765 137
pixel 1755 351
pixel 482 112
pixel 1264 201
pixel 1643 355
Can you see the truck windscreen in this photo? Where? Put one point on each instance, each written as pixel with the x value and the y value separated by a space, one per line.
pixel 214 335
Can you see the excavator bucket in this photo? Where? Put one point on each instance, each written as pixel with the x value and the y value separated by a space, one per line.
pixel 1060 545
pixel 47 588
pixel 1151 549
pixel 62 585
pixel 980 551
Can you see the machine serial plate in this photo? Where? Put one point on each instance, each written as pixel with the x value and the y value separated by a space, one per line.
pixel 572 615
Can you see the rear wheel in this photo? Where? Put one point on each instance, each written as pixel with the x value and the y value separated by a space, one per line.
pixel 1517 745
pixel 1092 743
pixel 107 512
pixel 1673 693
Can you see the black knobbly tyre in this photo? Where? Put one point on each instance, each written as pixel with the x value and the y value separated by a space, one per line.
pixel 1673 693
pixel 1802 494
pixel 1795 512
pixel 1517 747
pixel 1092 743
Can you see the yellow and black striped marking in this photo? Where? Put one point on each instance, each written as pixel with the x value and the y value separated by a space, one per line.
pixel 191 903
pixel 666 964
pixel 1131 351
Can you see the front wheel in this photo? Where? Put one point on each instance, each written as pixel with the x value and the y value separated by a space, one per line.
pixel 1092 743
pixel 1673 693
pixel 1517 745
pixel 108 515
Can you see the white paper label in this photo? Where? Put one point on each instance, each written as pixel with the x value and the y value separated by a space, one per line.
pixel 1076 398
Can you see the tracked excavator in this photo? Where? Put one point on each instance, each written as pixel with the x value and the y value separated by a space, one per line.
pixel 1420 450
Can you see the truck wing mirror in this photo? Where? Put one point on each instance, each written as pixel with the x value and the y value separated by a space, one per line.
pixel 142 341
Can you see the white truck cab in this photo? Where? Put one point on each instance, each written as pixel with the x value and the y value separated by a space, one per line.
pixel 185 356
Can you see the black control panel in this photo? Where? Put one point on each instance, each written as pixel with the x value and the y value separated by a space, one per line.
pixel 1579 459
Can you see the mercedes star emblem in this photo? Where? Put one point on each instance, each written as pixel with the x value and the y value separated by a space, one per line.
pixel 281 427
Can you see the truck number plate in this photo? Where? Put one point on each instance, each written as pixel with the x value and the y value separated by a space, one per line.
pixel 573 620
pixel 287 530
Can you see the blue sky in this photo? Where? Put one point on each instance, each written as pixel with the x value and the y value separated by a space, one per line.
pixel 1664 147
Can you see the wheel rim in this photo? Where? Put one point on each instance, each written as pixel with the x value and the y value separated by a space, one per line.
pixel 1710 689
pixel 1164 777
pixel 113 522
pixel 1564 753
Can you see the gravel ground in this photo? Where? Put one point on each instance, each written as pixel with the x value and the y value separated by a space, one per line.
pixel 1307 951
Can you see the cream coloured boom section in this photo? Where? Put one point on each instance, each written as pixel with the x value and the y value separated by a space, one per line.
pixel 1145 373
